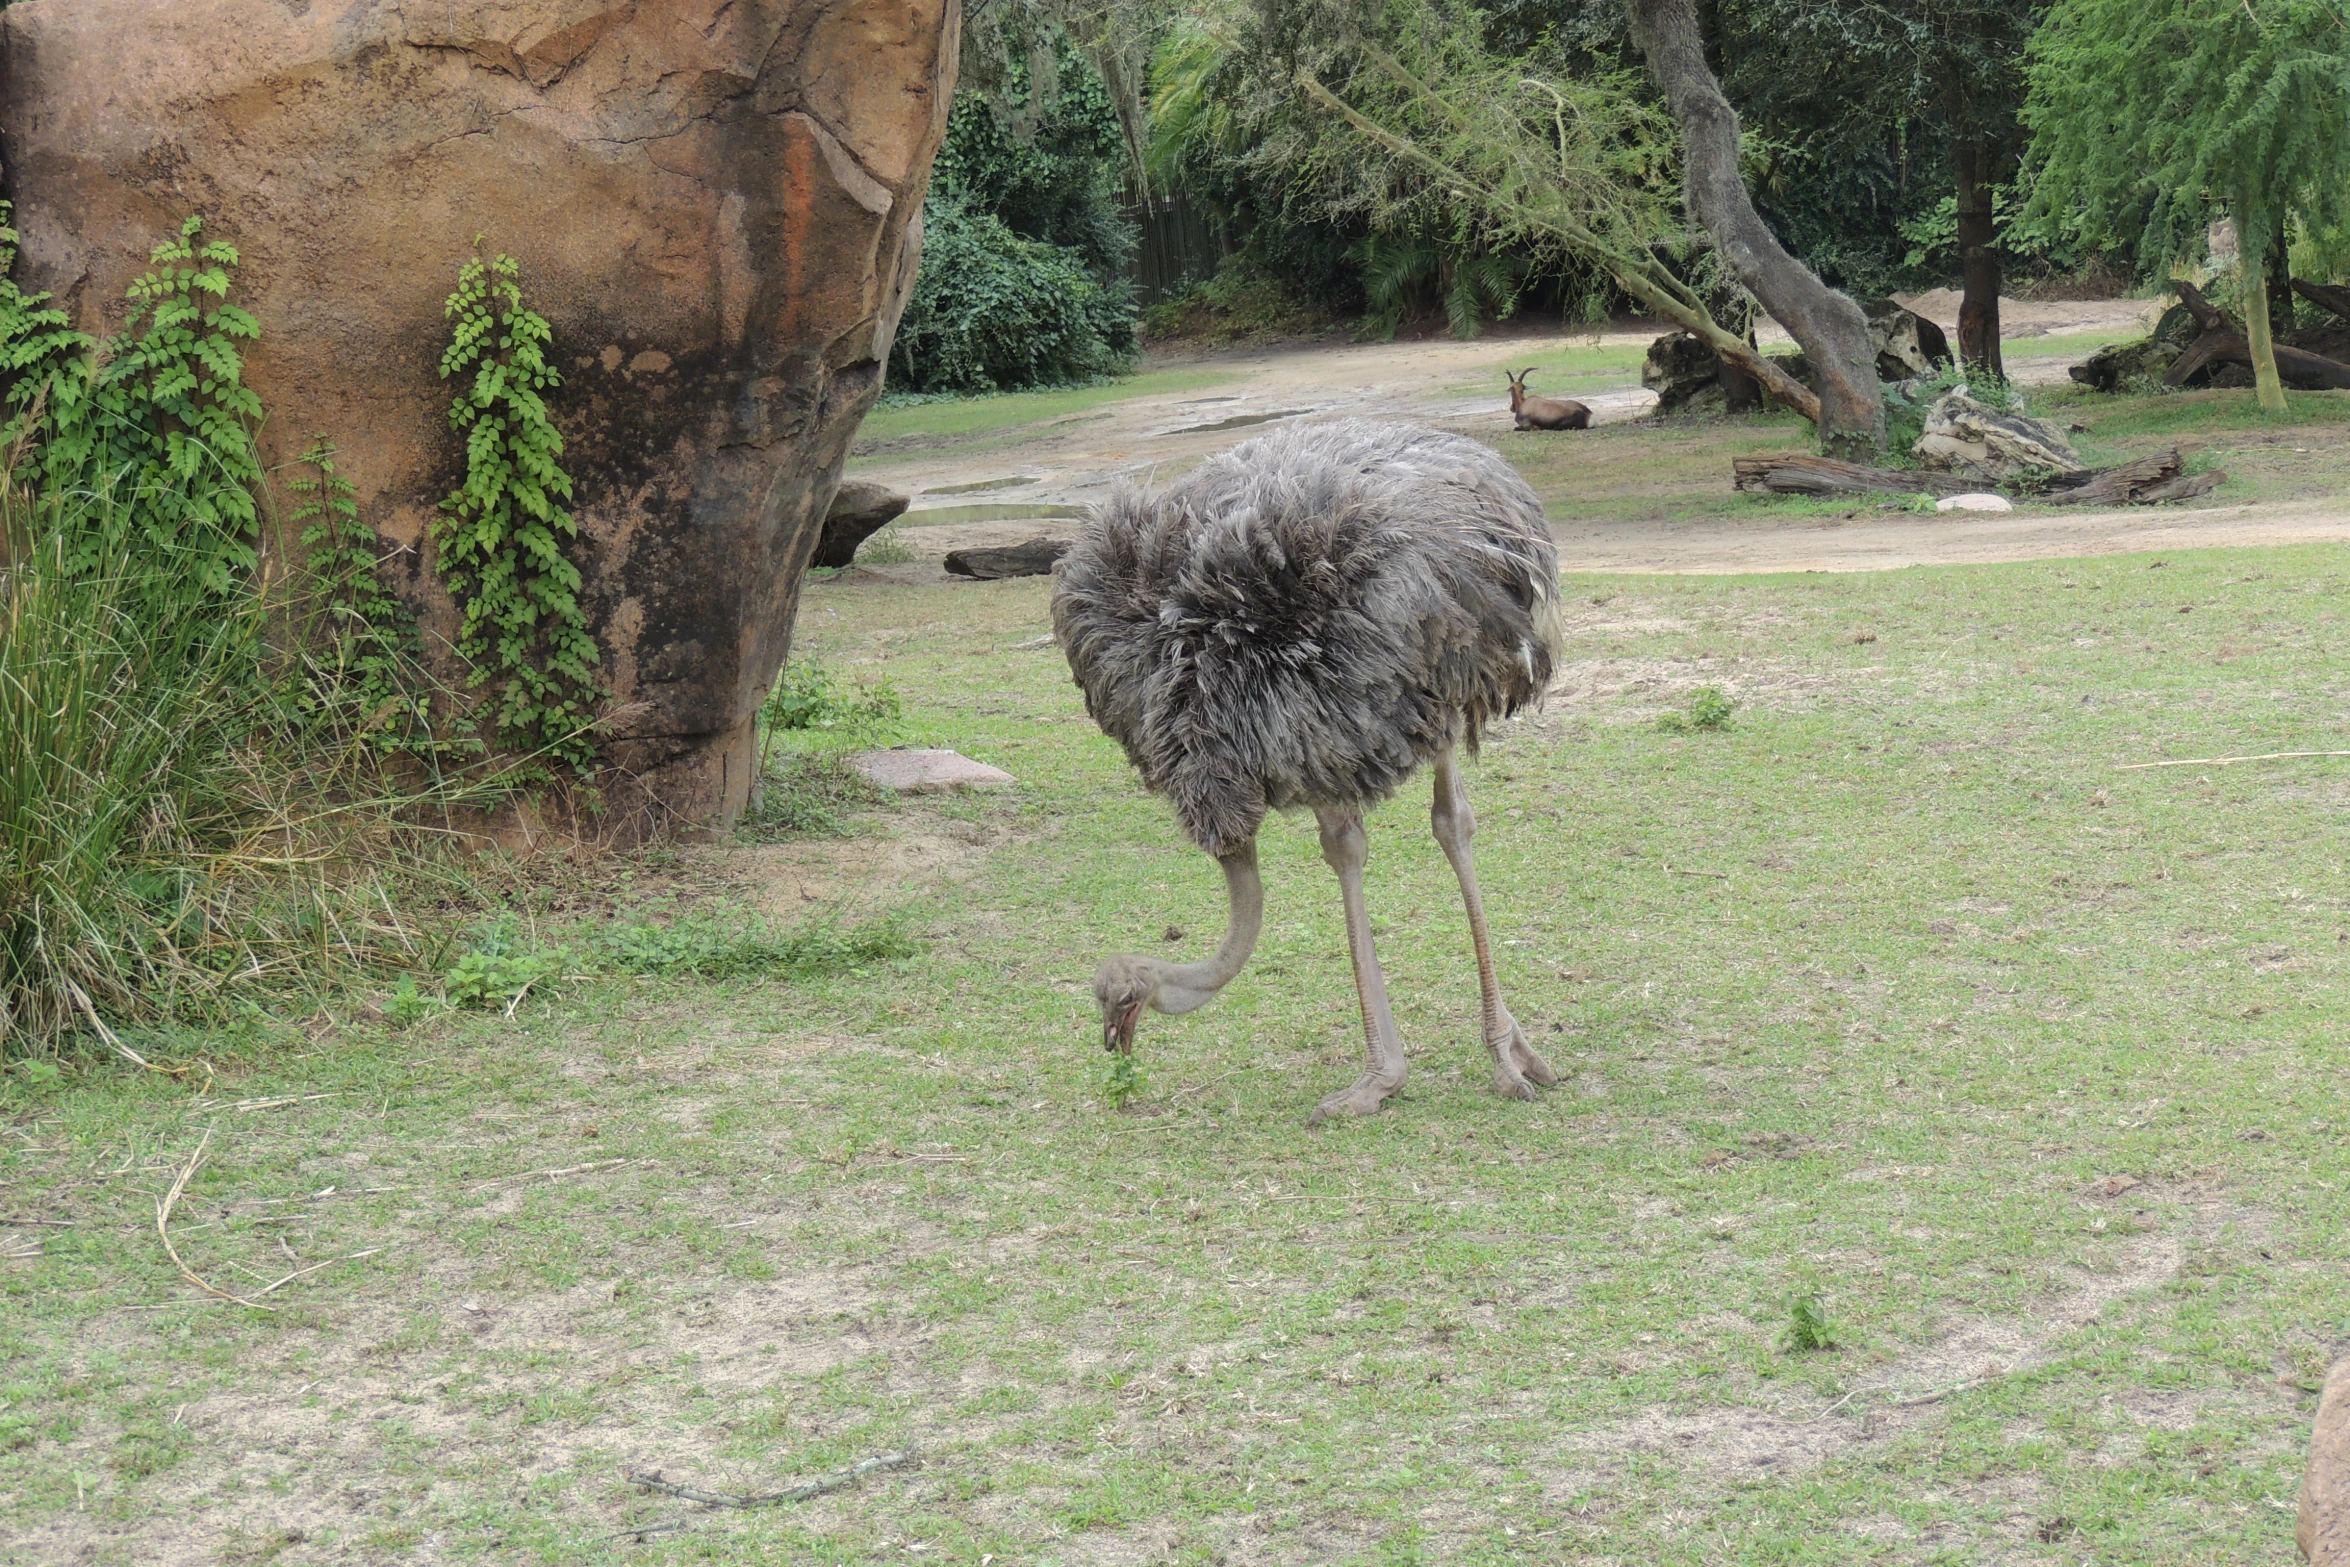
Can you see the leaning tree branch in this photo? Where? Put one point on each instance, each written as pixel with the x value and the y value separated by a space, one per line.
pixel 1637 275
pixel 1831 328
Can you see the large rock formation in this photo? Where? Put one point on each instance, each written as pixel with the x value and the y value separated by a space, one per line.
pixel 2324 1532
pixel 715 202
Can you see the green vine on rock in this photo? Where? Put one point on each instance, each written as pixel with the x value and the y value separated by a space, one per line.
pixel 499 539
pixel 373 677
pixel 154 420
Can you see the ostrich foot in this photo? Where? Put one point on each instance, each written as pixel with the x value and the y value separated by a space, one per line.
pixel 1517 1068
pixel 1368 1094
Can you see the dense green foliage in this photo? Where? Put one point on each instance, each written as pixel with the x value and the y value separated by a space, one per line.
pixel 366 652
pixel 992 311
pixel 156 417
pixel 500 538
pixel 1025 248
pixel 117 733
pixel 2151 120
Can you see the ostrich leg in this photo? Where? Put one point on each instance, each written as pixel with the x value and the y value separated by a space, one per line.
pixel 1346 849
pixel 1515 1065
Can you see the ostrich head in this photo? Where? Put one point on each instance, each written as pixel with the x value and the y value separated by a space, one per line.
pixel 1124 986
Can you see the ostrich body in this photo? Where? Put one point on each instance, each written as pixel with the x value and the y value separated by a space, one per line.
pixel 1304 621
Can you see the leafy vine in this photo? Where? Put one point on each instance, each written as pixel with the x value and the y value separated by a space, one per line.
pixel 371 671
pixel 499 539
pixel 154 421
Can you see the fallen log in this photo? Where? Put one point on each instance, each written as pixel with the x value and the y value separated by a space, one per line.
pixel 2145 481
pixel 1803 474
pixel 2223 343
pixel 2114 486
pixel 1032 559
pixel 2325 296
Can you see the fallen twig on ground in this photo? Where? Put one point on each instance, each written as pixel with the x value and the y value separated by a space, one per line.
pixel 291 1099
pixel 1938 1396
pixel 314 1267
pixel 169 1201
pixel 569 1169
pixel 2224 761
pixel 798 1493
pixel 1676 870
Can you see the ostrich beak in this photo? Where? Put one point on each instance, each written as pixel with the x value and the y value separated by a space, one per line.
pixel 1118 1028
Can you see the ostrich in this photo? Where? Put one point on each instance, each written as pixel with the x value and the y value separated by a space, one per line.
pixel 1304 621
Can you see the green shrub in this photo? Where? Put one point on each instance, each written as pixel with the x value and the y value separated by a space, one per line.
pixel 1807 1327
pixel 501 966
pixel 992 311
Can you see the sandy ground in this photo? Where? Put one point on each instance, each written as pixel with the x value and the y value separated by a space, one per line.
pixel 1036 485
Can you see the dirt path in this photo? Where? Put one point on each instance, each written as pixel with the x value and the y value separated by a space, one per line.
pixel 1886 543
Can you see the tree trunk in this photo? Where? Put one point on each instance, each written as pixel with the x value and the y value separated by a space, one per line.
pixel 1831 329
pixel 2281 312
pixel 2270 390
pixel 1978 244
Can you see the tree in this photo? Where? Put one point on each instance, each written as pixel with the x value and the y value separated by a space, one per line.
pixel 1851 77
pixel 1830 327
pixel 2153 117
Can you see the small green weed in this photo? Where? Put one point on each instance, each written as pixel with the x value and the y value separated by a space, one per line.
pixel 733 943
pixel 1126 1082
pixel 807 697
pixel 806 794
pixel 407 1004
pixel 1807 1327
pixel 887 547
pixel 501 967
pixel 1708 709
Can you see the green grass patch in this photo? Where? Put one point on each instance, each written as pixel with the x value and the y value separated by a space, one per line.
pixel 944 420
pixel 1562 366
pixel 1894 996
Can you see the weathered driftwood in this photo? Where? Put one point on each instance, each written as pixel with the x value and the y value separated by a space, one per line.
pixel 1033 559
pixel 1803 474
pixel 2145 482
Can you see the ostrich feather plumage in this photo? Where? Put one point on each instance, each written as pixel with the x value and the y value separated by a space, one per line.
pixel 1307 618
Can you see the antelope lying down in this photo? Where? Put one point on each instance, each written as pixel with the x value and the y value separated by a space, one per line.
pixel 1544 413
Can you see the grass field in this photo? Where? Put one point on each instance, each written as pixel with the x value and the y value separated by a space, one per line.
pixel 1895 995
pixel 1680 469
pixel 956 420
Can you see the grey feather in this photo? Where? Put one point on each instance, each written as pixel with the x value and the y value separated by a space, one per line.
pixel 1305 619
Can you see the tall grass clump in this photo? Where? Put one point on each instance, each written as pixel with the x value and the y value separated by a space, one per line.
pixel 114 732
pixel 180 825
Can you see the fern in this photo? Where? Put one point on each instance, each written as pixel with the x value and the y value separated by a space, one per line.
pixel 156 416
pixel 499 539
pixel 373 671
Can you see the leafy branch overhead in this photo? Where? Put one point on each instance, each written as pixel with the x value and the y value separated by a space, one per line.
pixel 499 541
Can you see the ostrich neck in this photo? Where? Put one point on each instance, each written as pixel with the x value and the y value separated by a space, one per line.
pixel 1184 987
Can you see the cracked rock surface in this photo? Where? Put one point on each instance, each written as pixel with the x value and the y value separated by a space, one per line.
pixel 716 203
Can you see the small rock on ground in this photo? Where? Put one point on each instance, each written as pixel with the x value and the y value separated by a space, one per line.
pixel 910 771
pixel 1973 501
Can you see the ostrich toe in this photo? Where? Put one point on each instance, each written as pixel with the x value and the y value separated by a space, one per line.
pixel 1365 1098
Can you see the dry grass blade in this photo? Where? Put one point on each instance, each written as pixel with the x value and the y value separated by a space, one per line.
pixel 549 1175
pixel 314 1267
pixel 170 1201
pixel 2224 761
pixel 798 1493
